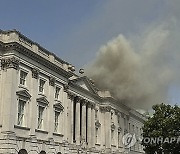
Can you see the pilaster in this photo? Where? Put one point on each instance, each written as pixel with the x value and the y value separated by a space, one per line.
pixel 10 83
pixel 33 105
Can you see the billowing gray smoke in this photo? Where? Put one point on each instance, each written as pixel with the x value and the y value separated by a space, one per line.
pixel 139 69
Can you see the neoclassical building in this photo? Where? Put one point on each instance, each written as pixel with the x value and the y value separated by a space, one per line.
pixel 45 108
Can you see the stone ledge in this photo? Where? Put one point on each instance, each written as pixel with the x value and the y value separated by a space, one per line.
pixel 58 134
pixel 21 127
pixel 41 131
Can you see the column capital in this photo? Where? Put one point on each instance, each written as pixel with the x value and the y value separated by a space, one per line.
pixel 70 95
pixel 117 112
pixel 10 62
pixel 84 102
pixel 35 73
pixel 91 105
pixel 52 81
pixel 105 108
pixel 78 99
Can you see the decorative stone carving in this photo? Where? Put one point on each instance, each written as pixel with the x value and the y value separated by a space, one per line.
pixel 10 62
pixel 105 108
pixel 66 87
pixel 58 107
pixel 35 73
pixel 42 101
pixel 52 81
pixel 113 126
pixel 97 124
pixel 116 112
pixel 84 102
pixel 78 99
pixel 70 95
pixel 91 105
pixel 24 94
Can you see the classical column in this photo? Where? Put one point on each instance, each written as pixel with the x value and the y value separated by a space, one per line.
pixel 83 126
pixel 77 129
pixel 89 125
pixel 93 126
pixel 70 117
pixel 10 77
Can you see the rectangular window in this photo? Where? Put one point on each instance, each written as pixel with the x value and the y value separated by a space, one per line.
pixel 57 93
pixel 40 116
pixel 23 77
pixel 56 121
pixel 21 106
pixel 41 85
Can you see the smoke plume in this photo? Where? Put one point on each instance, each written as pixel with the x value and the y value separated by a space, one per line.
pixel 139 69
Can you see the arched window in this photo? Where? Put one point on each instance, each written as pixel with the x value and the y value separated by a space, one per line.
pixel 59 153
pixel 22 151
pixel 42 152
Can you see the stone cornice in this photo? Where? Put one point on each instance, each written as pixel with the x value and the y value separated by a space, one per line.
pixel 34 56
pixel 142 119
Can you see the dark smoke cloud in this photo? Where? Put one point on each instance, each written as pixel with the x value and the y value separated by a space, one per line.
pixel 139 69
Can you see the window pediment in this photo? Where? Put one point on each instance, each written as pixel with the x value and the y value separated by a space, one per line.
pixel 42 101
pixel 23 93
pixel 58 106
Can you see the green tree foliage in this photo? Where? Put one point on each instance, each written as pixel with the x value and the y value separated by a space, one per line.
pixel 164 123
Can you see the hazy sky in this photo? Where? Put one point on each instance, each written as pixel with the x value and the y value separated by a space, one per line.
pixel 76 29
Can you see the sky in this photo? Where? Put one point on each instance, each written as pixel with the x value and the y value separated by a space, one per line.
pixel 76 30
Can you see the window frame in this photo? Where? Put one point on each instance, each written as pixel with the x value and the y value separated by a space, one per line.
pixel 41 88
pixel 22 112
pixel 56 120
pixel 57 95
pixel 40 123
pixel 23 79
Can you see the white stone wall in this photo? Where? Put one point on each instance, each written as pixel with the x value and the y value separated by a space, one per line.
pixel 82 112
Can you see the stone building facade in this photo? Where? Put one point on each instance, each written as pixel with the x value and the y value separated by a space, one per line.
pixel 45 108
